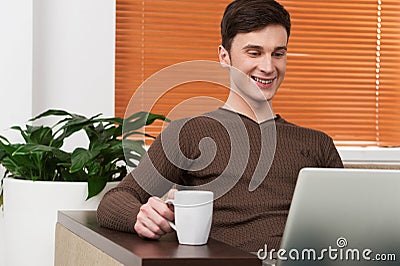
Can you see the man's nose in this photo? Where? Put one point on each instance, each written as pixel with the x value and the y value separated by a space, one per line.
pixel 266 64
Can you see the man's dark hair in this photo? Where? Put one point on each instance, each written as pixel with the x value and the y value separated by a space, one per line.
pixel 243 16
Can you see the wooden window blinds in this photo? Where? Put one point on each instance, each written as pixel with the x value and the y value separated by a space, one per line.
pixel 342 73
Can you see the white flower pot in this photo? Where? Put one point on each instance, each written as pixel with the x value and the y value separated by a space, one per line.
pixel 30 215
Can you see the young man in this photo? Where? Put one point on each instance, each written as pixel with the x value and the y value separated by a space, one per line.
pixel 256 155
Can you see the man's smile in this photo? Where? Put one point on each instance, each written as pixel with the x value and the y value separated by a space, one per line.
pixel 262 81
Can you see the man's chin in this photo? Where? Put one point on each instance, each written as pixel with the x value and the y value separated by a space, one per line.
pixel 269 95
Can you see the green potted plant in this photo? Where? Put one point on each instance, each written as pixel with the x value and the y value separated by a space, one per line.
pixel 41 156
pixel 41 177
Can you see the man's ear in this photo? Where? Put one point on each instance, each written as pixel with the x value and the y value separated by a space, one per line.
pixel 223 55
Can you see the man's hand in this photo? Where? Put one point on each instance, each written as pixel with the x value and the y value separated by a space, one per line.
pixel 152 219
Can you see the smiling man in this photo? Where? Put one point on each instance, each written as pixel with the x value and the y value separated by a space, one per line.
pixel 257 153
pixel 261 56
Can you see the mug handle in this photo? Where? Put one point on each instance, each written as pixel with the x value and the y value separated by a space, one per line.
pixel 170 201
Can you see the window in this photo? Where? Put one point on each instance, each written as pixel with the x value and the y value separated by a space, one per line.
pixel 343 62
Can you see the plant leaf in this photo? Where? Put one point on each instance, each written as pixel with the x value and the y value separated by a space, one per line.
pixel 94 169
pixel 134 145
pixel 153 117
pixel 23 133
pixel 51 112
pixel 65 175
pixel 31 148
pixel 141 119
pixel 19 167
pixel 5 139
pixel 135 121
pixel 80 158
pixel 95 185
pixel 62 155
pixel 41 135
pixel 127 135
pixel 112 120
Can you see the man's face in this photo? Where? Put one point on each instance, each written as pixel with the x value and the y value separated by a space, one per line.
pixel 261 56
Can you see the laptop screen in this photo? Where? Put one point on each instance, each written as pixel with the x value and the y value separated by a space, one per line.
pixel 343 217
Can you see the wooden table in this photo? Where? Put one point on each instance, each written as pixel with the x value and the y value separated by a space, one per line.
pixel 81 241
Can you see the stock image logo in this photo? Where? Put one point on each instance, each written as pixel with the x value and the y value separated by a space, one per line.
pixel 340 252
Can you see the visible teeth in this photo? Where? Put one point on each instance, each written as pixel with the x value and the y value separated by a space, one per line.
pixel 262 80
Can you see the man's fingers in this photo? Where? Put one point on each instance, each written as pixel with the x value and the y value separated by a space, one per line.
pixel 171 193
pixel 144 220
pixel 145 232
pixel 161 208
pixel 152 219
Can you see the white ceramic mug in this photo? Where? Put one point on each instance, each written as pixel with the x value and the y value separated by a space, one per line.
pixel 193 216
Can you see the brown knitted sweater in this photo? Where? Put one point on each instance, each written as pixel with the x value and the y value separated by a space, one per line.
pixel 242 218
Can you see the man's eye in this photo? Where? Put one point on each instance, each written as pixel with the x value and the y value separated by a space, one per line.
pixel 253 53
pixel 278 54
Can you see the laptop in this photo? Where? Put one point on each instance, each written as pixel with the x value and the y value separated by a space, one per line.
pixel 343 217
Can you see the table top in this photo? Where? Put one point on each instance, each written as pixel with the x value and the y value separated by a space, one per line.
pixel 130 249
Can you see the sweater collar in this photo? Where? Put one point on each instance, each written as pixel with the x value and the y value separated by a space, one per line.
pixel 277 117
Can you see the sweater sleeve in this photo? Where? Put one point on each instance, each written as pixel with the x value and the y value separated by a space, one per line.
pixel 119 207
pixel 332 157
